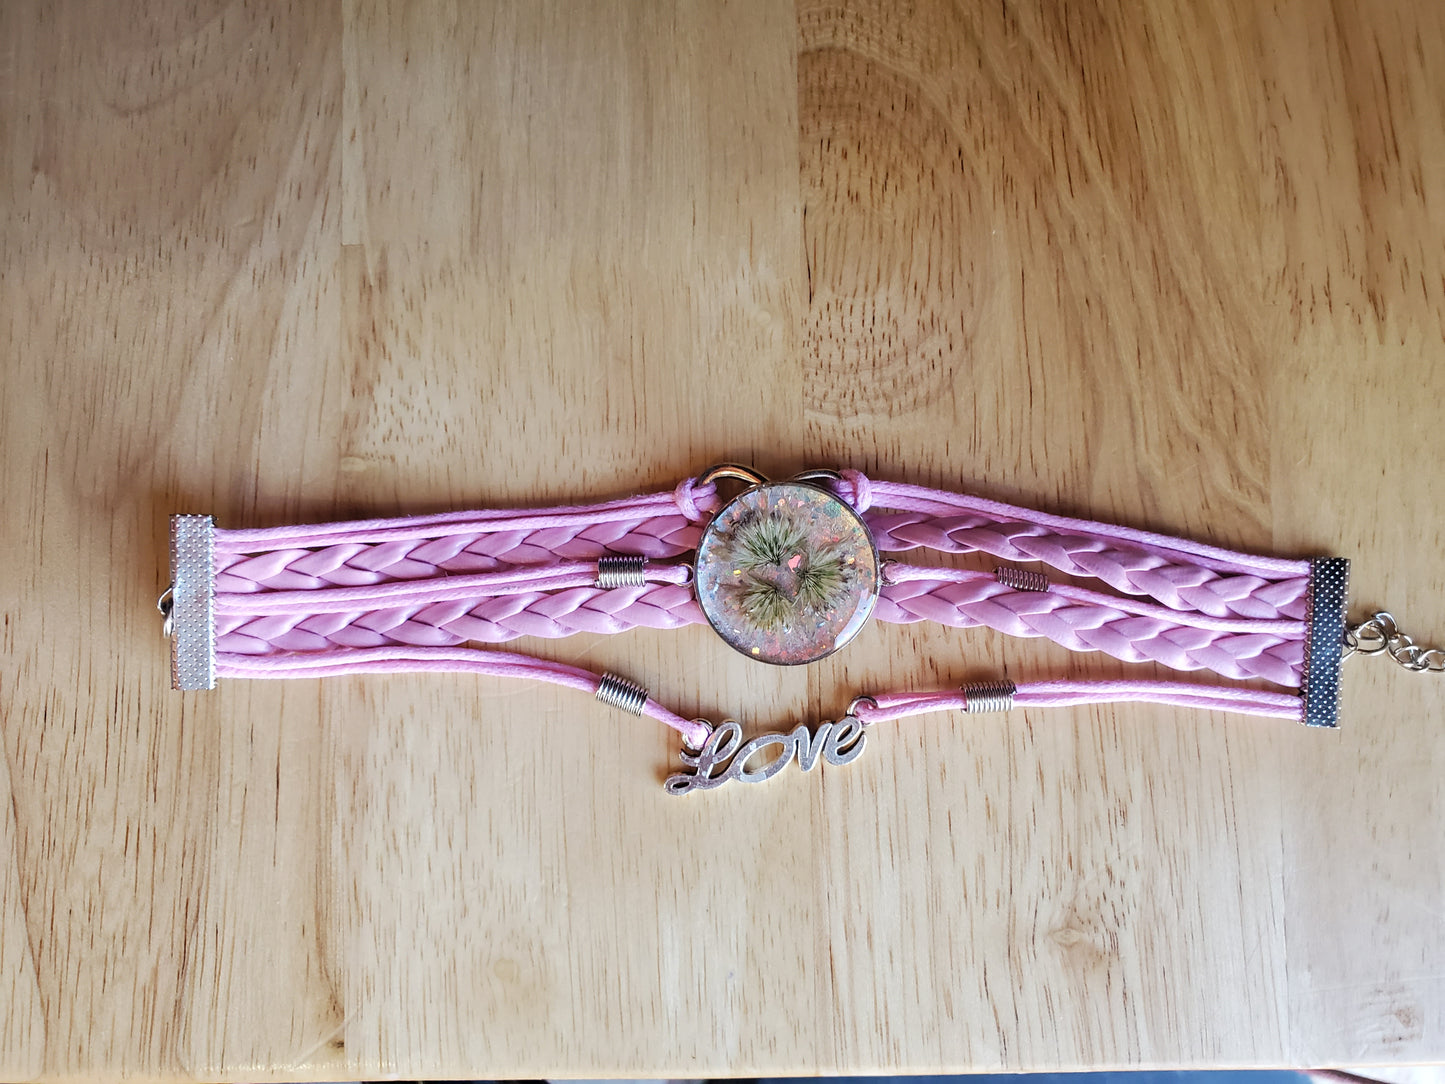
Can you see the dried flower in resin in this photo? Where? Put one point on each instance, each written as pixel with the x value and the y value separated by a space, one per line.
pixel 787 573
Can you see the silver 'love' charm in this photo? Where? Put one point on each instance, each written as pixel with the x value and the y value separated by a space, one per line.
pixel 725 756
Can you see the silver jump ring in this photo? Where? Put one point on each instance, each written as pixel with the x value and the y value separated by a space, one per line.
pixel 706 726
pixel 166 604
pixel 736 471
pixel 852 712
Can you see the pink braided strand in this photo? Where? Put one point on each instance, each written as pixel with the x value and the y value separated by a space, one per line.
pixel 658 525
pixel 1180 574
pixel 898 572
pixel 1184 586
pixel 496 609
pixel 971 599
pixel 1177 572
pixel 489 620
pixel 356 564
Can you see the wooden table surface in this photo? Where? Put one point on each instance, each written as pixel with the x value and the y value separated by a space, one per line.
pixel 1180 266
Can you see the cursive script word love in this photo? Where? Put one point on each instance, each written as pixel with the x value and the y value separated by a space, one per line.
pixel 725 756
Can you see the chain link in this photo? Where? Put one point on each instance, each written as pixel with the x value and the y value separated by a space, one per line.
pixel 1381 636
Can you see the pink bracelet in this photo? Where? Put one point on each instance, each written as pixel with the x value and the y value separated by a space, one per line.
pixel 786 572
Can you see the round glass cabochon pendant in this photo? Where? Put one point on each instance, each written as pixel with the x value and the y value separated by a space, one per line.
pixel 787 573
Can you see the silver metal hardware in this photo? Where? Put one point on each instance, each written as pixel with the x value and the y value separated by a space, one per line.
pixel 861 698
pixel 1327 596
pixel 1381 636
pixel 164 605
pixel 739 473
pixel 191 621
pixel 686 744
pixel 989 696
pixel 817 476
pixel 1021 579
pixel 734 471
pixel 725 757
pixel 621 571
pixel 620 693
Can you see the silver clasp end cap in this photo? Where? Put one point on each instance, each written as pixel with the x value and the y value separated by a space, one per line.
pixel 190 620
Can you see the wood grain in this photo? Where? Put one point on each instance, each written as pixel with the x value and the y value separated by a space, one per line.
pixel 1180 266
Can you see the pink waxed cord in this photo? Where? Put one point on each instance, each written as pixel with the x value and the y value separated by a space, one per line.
pixel 516 580
pixel 400 660
pixel 857 490
pixel 1055 694
pixel 401 528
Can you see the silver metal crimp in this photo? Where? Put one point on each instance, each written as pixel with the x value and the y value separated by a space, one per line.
pixel 987 696
pixel 621 570
pixel 1327 598
pixel 1021 579
pixel 627 695
pixel 191 615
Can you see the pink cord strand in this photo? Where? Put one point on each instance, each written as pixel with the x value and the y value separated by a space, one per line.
pixel 416 593
pixel 397 660
pixel 404 528
pixel 887 707
pixel 1054 694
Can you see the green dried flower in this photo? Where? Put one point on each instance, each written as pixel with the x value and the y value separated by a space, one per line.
pixel 822 579
pixel 766 605
pixel 781 576
pixel 766 541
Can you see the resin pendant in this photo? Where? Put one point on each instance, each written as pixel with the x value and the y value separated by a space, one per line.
pixel 787 573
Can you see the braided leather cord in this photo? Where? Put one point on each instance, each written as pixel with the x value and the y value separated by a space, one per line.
pixel 1080 626
pixel 353 564
pixel 1180 587
pixel 1184 587
pixel 489 620
pixel 1209 583
pixel 1271 655
pixel 863 494
pixel 1176 583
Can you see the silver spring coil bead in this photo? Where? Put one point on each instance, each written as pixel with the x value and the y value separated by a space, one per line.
pixel 1021 579
pixel 986 696
pixel 621 571
pixel 620 693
